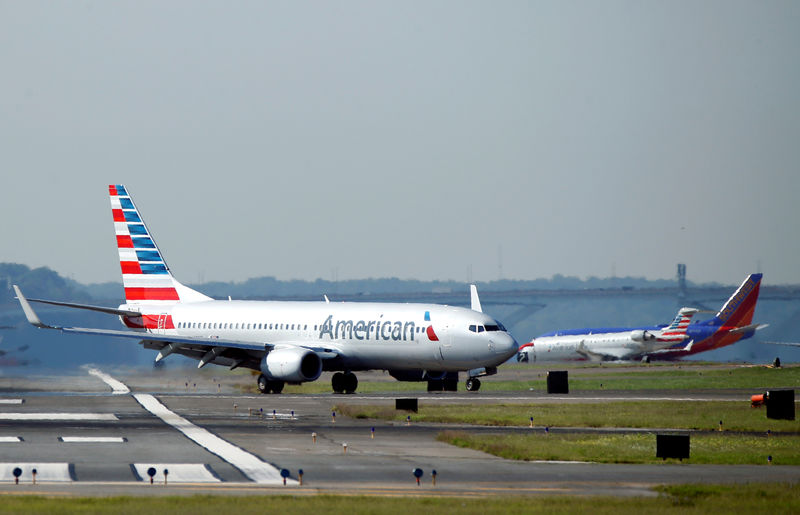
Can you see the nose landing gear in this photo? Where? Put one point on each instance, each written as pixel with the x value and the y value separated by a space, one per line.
pixel 473 384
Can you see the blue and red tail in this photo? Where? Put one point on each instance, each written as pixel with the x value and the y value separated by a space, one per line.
pixel 738 311
pixel 145 275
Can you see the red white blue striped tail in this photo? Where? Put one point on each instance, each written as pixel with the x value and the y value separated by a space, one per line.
pixel 145 275
pixel 677 329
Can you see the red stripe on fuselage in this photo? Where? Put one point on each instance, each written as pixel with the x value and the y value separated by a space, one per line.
pixel 151 294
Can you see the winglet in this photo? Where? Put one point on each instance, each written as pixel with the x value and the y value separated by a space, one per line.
pixel 30 314
pixel 476 302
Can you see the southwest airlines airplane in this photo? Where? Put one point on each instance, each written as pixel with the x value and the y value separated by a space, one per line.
pixel 289 342
pixel 681 338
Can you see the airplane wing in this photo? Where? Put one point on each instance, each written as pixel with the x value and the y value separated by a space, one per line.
pixel 593 356
pixel 667 350
pixel 791 344
pixel 234 353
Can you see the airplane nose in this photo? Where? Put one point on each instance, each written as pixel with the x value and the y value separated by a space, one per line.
pixel 506 344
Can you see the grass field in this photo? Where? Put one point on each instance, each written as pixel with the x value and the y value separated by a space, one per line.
pixel 629 448
pixel 684 499
pixel 660 377
pixel 594 377
pixel 735 416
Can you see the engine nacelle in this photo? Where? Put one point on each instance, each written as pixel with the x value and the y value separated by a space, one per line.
pixel 642 336
pixel 292 364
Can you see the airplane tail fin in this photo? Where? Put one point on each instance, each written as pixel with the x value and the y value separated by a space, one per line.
pixel 677 329
pixel 739 309
pixel 145 275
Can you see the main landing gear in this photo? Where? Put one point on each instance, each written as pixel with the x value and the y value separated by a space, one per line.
pixel 344 382
pixel 473 384
pixel 269 386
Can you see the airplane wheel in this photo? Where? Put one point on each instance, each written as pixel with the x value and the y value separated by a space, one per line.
pixel 350 382
pixel 338 382
pixel 473 384
pixel 277 386
pixel 263 384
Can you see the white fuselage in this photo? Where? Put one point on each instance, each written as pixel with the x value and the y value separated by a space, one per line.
pixel 362 335
pixel 593 347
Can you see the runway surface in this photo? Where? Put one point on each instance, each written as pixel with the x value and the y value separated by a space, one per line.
pixel 87 434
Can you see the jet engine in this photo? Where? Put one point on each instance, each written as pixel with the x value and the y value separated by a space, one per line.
pixel 291 364
pixel 642 336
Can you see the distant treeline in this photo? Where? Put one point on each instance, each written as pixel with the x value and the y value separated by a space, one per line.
pixel 45 283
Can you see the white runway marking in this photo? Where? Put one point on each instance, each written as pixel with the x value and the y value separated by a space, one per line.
pixel 11 401
pixel 250 465
pixel 117 387
pixel 10 439
pixel 57 416
pixel 178 472
pixel 44 472
pixel 92 439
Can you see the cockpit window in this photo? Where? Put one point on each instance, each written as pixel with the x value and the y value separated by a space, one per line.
pixel 480 329
pixel 493 327
pixel 472 328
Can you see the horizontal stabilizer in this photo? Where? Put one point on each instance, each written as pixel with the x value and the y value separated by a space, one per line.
pixel 748 328
pixel 791 344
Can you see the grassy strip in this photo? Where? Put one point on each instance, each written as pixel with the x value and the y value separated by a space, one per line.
pixel 722 449
pixel 614 377
pixel 684 499
pixel 628 378
pixel 646 414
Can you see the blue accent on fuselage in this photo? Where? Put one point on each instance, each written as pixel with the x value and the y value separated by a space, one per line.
pixel 427 316
pixel 601 330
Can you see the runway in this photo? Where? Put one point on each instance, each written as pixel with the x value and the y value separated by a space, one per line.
pixel 102 441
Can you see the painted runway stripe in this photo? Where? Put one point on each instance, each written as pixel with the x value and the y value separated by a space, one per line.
pixel 177 472
pixel 250 465
pixel 44 472
pixel 11 401
pixel 10 439
pixel 58 416
pixel 117 387
pixel 92 439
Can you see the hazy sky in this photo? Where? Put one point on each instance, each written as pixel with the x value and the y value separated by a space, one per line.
pixel 412 139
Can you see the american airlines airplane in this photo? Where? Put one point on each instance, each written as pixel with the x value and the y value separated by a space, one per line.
pixel 681 338
pixel 289 342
